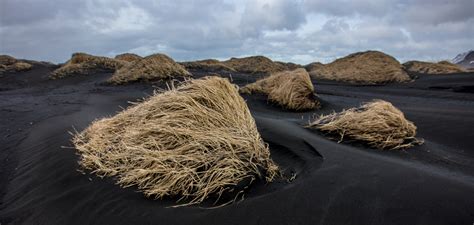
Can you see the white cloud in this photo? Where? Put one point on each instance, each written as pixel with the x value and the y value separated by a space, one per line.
pixel 289 30
pixel 128 18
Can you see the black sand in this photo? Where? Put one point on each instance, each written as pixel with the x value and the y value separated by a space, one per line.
pixel 334 183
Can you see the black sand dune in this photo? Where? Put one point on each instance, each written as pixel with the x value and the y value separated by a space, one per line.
pixel 331 183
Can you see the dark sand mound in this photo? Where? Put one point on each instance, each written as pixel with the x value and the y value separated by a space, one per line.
pixel 84 64
pixel 9 63
pixel 255 65
pixel 192 142
pixel 290 89
pixel 377 123
pixel 153 67
pixel 442 67
pixel 210 65
pixel 370 67
pixel 129 57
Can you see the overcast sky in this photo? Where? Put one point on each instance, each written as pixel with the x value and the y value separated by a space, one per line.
pixel 300 31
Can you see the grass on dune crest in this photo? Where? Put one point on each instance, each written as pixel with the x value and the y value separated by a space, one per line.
pixel 152 67
pixel 9 63
pixel 290 89
pixel 82 63
pixel 212 65
pixel 442 67
pixel 192 142
pixel 378 124
pixel 129 57
pixel 255 65
pixel 370 67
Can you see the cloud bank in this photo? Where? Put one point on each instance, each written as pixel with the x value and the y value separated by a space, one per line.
pixel 300 31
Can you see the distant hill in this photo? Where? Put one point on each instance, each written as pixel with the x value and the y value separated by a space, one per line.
pixel 465 59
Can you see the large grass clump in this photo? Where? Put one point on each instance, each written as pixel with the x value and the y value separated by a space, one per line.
pixel 193 142
pixel 443 67
pixel 150 68
pixel 370 67
pixel 290 89
pixel 129 57
pixel 378 124
pixel 84 64
pixel 255 65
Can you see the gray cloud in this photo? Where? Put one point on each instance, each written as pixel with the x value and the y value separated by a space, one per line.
pixel 288 30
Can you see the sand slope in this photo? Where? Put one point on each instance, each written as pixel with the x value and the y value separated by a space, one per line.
pixel 333 183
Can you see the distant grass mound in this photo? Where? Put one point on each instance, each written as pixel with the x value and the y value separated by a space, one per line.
pixel 193 142
pixel 9 63
pixel 290 89
pixel 129 57
pixel 443 67
pixel 255 65
pixel 7 60
pixel 211 65
pixel 153 67
pixel 313 66
pixel 378 124
pixel 82 63
pixel 289 65
pixel 370 67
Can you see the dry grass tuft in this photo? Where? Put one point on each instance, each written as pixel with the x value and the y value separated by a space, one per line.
pixel 153 67
pixel 443 67
pixel 212 65
pixel 21 66
pixel 192 142
pixel 129 57
pixel 378 124
pixel 255 65
pixel 370 67
pixel 290 89
pixel 82 63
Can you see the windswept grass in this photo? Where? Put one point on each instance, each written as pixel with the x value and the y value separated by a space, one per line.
pixel 22 66
pixel 290 89
pixel 195 141
pixel 370 67
pixel 129 57
pixel 378 124
pixel 255 65
pixel 82 63
pixel 443 67
pixel 211 65
pixel 153 67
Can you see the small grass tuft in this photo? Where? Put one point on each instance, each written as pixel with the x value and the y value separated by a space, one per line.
pixel 290 89
pixel 378 124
